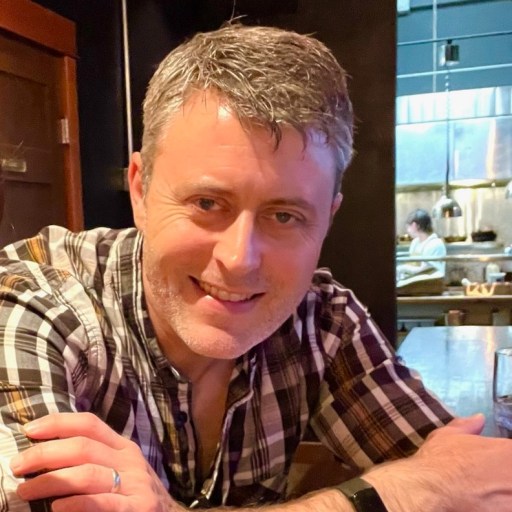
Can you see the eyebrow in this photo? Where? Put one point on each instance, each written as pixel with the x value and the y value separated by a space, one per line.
pixel 208 186
pixel 205 186
pixel 297 202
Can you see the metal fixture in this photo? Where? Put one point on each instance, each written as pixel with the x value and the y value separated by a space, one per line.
pixel 64 131
pixel 508 190
pixel 481 129
pixel 460 37
pixel 127 81
pixel 449 54
pixel 446 206
pixel 13 165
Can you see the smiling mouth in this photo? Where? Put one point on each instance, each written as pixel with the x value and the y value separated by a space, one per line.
pixel 218 293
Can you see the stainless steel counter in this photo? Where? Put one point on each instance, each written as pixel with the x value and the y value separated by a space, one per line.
pixel 456 363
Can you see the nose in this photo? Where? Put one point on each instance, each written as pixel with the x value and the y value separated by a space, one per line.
pixel 238 247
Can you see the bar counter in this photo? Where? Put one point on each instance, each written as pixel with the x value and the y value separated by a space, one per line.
pixel 456 363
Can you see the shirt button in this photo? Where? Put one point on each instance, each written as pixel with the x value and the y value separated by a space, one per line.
pixel 181 419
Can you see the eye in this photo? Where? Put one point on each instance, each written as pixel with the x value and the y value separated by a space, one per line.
pixel 284 217
pixel 206 204
pixel 287 219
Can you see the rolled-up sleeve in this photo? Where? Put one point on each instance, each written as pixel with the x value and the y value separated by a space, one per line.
pixel 371 408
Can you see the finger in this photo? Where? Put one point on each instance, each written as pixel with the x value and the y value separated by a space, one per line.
pixel 472 425
pixel 85 479
pixel 469 425
pixel 62 453
pixel 115 502
pixel 72 424
pixel 92 503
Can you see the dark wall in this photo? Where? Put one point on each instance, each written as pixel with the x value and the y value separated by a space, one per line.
pixel 360 248
pixel 171 22
pixel 100 107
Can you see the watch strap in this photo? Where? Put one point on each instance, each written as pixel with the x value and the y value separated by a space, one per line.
pixel 362 495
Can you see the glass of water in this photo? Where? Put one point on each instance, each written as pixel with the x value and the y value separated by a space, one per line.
pixel 502 391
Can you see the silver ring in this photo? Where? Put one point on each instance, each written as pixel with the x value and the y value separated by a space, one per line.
pixel 116 481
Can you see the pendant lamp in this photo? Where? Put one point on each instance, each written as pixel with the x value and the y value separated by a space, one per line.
pixel 446 206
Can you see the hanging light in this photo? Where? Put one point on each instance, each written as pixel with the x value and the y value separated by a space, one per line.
pixel 446 206
pixel 449 54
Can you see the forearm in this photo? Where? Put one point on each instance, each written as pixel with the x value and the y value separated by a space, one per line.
pixel 402 489
pixel 403 486
pixel 326 500
pixel 413 269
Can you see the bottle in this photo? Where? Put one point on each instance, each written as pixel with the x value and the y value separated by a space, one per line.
pixel 491 268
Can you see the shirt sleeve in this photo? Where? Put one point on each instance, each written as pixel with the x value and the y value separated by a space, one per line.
pixel 435 247
pixel 371 407
pixel 35 378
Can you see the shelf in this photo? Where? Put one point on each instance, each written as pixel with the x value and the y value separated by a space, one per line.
pixel 458 257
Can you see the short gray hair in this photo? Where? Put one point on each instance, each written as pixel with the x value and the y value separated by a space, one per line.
pixel 267 76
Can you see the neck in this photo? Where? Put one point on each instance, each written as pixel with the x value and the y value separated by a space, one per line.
pixel 423 236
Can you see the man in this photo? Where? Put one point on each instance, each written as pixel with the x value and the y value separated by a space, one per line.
pixel 204 343
pixel 424 243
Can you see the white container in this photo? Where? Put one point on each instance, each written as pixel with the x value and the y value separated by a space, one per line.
pixel 506 265
pixel 496 277
pixel 491 268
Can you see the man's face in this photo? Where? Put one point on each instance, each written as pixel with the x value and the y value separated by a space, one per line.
pixel 412 229
pixel 232 228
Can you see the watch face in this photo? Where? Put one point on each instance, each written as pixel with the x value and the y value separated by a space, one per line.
pixel 367 500
pixel 362 495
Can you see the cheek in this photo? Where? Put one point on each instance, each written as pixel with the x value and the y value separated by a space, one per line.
pixel 294 268
pixel 168 227
pixel 166 222
pixel 178 246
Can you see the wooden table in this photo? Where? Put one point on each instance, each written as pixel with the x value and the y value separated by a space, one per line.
pixel 456 363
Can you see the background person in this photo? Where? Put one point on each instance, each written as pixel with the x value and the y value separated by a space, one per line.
pixel 424 243
pixel 179 363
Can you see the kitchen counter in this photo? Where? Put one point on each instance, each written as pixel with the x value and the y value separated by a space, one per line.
pixel 463 261
pixel 453 298
pixel 480 310
pixel 483 258
pixel 467 261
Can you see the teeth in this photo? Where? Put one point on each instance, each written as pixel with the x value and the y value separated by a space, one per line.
pixel 222 294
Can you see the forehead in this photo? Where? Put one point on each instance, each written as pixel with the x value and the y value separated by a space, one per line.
pixel 206 120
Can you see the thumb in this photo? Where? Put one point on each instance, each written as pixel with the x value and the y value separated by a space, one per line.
pixel 469 425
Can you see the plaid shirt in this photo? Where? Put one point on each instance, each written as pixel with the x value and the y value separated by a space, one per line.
pixel 76 336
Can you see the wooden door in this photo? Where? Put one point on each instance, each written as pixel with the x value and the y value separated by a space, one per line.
pixel 38 125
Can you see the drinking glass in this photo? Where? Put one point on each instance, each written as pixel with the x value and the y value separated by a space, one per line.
pixel 502 391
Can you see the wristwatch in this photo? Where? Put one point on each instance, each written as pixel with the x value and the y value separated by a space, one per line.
pixel 362 495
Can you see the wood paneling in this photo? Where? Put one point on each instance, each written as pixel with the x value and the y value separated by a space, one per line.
pixel 37 89
pixel 39 25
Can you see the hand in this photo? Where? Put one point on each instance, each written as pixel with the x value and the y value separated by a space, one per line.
pixel 454 470
pixel 77 459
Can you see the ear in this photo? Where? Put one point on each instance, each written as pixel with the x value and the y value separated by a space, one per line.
pixel 336 203
pixel 135 183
